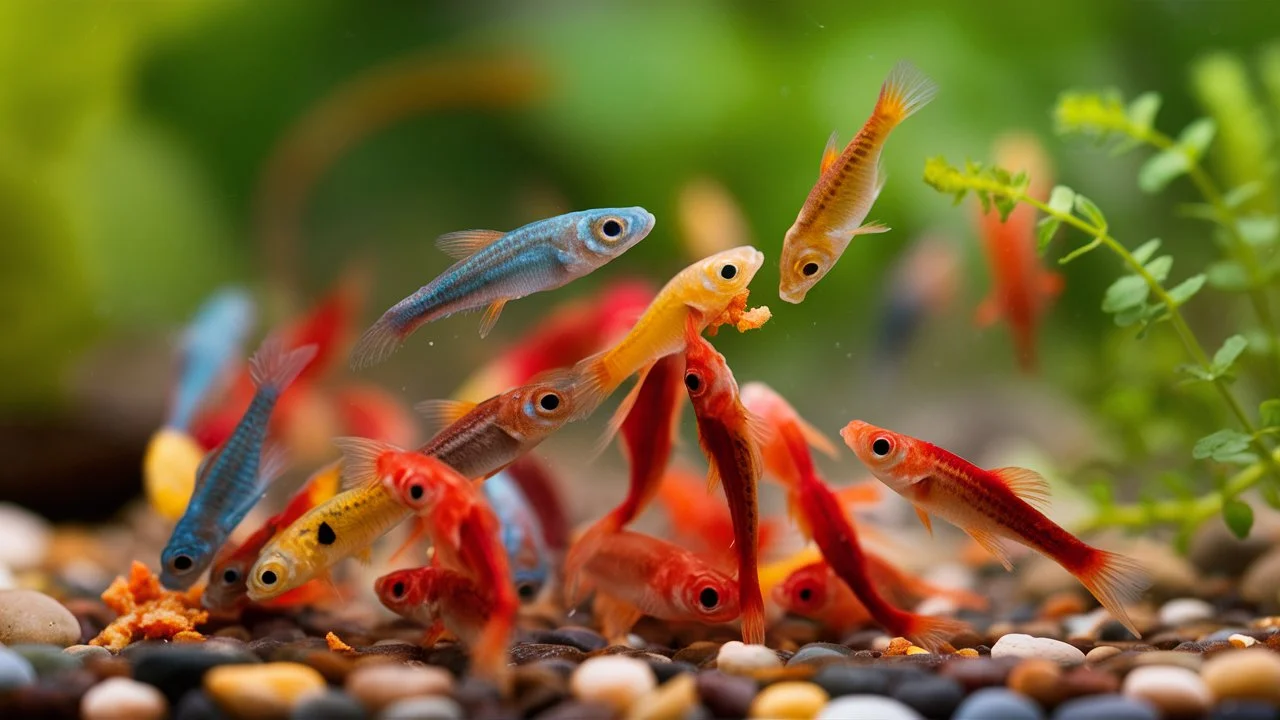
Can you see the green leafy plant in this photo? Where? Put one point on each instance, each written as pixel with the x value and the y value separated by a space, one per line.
pixel 1150 293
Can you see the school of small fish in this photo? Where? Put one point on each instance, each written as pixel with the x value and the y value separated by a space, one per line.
pixel 490 512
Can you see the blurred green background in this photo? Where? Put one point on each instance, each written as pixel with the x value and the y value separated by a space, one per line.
pixel 136 137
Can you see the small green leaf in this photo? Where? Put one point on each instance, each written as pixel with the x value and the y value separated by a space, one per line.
pixel 1090 211
pixel 1062 199
pixel 1161 169
pixel 1269 411
pixel 1146 250
pixel 1196 372
pixel 1187 289
pixel 1271 495
pixel 1080 251
pixel 1005 204
pixel 1142 111
pixel 1160 267
pixel 1199 211
pixel 1239 517
pixel 1197 136
pixel 1045 230
pixel 1259 229
pixel 1220 445
pixel 1227 354
pixel 1228 275
pixel 1242 194
pixel 1127 292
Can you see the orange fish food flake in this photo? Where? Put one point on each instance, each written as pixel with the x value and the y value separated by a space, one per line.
pixel 146 611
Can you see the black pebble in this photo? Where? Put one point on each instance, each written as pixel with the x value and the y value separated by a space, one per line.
pixel 573 710
pixel 326 535
pixel 664 671
pixel 1244 710
pixel 840 680
pixel 726 695
pixel 196 705
pixel 1113 631
pixel 934 697
pixel 176 671
pixel 587 641
pixel 333 705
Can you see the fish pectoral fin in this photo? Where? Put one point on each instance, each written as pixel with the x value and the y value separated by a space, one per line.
pixel 817 439
pixel 440 414
pixel 871 228
pixel 465 243
pixel 360 460
pixel 1026 484
pixel 416 533
pixel 1051 283
pixel 616 616
pixel 924 519
pixel 830 153
pixel 988 312
pixel 491 317
pixel 364 556
pixel 991 544
pixel 758 428
pixel 861 493
pixel 433 634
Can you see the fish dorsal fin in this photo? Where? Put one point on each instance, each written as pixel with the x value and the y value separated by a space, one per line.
pixel 360 460
pixel 465 243
pixel 1026 484
pixel 924 519
pixel 490 319
pixel 831 152
pixel 991 544
pixel 440 414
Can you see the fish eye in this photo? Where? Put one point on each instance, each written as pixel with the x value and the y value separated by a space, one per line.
pixel 325 534
pixel 805 594
pixel 182 563
pixel 398 589
pixel 549 402
pixel 230 576
pixel 709 598
pixel 881 446
pixel 268 577
pixel 526 591
pixel 729 271
pixel 415 491
pixel 810 269
pixel 692 381
pixel 611 228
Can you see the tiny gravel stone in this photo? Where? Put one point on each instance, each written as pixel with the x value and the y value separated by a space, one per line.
pixel 378 686
pixel 584 639
pixel 1111 707
pixel 15 671
pixel 47 660
pixel 196 705
pixel 670 701
pixel 1174 691
pixel 176 670
pixel 332 705
pixel 818 651
pixel 980 672
pixel 1243 710
pixel 1102 652
pixel 573 710
pixel 997 704
pixel 615 680
pixel 1038 679
pixel 85 652
pixel 1019 645
pixel 934 697
pixel 270 690
pixel 839 680
pixel 726 695
pixel 123 699
pixel 671 669
pixel 1184 611
pixel 789 701
pixel 522 653
pixel 1241 641
pixel 30 617
pixel 1251 674
pixel 741 659
pixel 866 706
pixel 697 653
pixel 423 708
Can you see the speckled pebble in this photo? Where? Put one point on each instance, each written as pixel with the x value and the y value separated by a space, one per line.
pixel 1111 707
pixel 997 704
pixel 670 701
pixel 120 698
pixel 423 708
pixel 377 686
pixel 934 696
pixel 1019 645
pixel 1175 691
pixel 866 706
pixel 30 617
pixel 615 680
pixel 15 671
pixel 270 690
pixel 1102 652
pixel 741 659
pixel 332 705
pixel 1251 674
pixel 1183 611
pixel 789 701
pixel 584 639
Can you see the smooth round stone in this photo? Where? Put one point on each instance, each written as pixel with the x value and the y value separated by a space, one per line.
pixel 176 670
pixel 726 695
pixel 332 705
pixel 423 708
pixel 997 704
pixel 671 700
pixel 1243 710
pixel 377 686
pixel 584 639
pixel 866 706
pixel 24 537
pixel 15 671
pixel 741 659
pixel 120 698
pixel 573 710
pixel 196 705
pixel 934 697
pixel 840 680
pixel 789 701
pixel 1174 691
pixel 30 617
pixel 48 659
pixel 1111 707
pixel 1040 680
pixel 818 652
pixel 1261 580
pixel 614 680
pixel 1026 646
pixel 1102 652
pixel 269 690
pixel 87 652
pixel 671 669
pixel 1184 611
pixel 1250 674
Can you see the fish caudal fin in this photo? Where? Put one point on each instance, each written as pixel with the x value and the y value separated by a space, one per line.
pixel 593 384
pixel 1114 580
pixel 751 600
pixel 360 460
pixel 274 368
pixel 376 344
pixel 904 92
pixel 932 633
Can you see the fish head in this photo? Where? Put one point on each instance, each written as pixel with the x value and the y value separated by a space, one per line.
pixel 275 573
pixel 609 232
pixel 883 452
pixel 804 592
pixel 183 561
pixel 718 278
pixel 707 377
pixel 228 584
pixel 400 591
pixel 710 596
pixel 805 261
pixel 529 584
pixel 418 481
pixel 534 411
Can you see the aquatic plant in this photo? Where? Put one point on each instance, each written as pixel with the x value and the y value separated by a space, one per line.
pixel 1246 227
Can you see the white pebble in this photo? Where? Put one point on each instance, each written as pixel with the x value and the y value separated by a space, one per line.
pixel 123 698
pixel 1087 624
pixel 741 659
pixel 377 686
pixel 866 706
pixel 1242 641
pixel 24 537
pixel 615 680
pixel 1175 691
pixel 1025 646
pixel 1183 611
pixel 423 708
pixel 937 605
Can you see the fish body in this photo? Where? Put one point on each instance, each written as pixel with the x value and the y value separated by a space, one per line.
pixel 439 599
pixel 725 433
pixel 521 535
pixel 227 577
pixel 234 475
pixel 1021 288
pixel 765 403
pixel 494 268
pixel 847 187
pixel 990 505
pixel 700 521
pixel 211 345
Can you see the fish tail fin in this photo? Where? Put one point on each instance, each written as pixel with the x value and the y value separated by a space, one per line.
pixel 593 385
pixel 932 633
pixel 620 415
pixel 752 603
pixel 1114 580
pixel 905 91
pixel 377 343
pixel 274 366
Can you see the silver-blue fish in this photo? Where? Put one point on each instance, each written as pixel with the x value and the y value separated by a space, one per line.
pixel 521 535
pixel 233 476
pixel 210 343
pixel 495 267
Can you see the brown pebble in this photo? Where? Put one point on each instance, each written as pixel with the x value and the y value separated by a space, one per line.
pixel 1102 652
pixel 523 653
pixel 237 632
pixel 979 672
pixel 1081 681
pixel 108 667
pixel 1061 605
pixel 697 653
pixel 1188 660
pixel 1037 678
pixel 331 665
